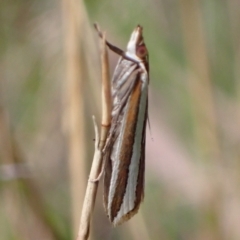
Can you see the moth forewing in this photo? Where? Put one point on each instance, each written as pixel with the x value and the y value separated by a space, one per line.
pixel 124 154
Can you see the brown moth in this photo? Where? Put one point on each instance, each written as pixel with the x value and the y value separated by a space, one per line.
pixel 124 153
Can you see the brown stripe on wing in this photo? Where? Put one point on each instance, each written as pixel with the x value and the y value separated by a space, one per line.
pixel 126 150
pixel 118 113
pixel 140 180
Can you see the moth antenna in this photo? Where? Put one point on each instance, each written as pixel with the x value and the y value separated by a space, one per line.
pixel 149 126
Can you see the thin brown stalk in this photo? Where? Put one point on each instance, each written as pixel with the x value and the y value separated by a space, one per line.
pixel 73 116
pixel 91 191
pixel 90 196
pixel 199 82
pixel 106 95
pixel 203 105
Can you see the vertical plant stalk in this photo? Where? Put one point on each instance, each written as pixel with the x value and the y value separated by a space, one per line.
pixel 73 12
pixel 203 107
pixel 199 83
pixel 91 191
pixel 106 94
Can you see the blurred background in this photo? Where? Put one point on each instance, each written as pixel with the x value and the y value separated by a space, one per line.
pixel 50 86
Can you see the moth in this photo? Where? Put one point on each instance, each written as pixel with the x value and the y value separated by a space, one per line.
pixel 124 152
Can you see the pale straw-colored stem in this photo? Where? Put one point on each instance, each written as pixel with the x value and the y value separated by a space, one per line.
pixel 199 81
pixel 203 105
pixel 90 196
pixel 73 98
pixel 106 94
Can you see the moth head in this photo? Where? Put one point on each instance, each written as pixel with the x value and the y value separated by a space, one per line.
pixel 136 48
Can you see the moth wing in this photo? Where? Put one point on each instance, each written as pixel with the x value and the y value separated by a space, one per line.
pixel 124 176
pixel 122 86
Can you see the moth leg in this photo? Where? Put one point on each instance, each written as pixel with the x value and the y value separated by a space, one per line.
pixel 98 177
pixel 115 49
pixel 101 173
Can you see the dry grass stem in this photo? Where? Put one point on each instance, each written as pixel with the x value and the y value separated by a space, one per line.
pixel 73 16
pixel 203 103
pixel 91 191
pixel 90 196
pixel 199 83
pixel 106 94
